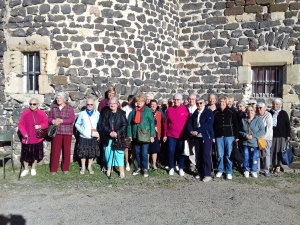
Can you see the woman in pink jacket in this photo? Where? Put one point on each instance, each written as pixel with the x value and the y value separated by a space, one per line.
pixel 32 147
pixel 175 130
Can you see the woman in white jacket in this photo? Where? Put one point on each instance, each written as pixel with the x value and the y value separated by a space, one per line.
pixel 268 136
pixel 86 124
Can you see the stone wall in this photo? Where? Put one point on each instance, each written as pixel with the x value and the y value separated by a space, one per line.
pixel 216 37
pixel 128 44
pixel 137 46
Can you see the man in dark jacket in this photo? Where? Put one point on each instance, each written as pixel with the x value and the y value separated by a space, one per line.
pixel 226 131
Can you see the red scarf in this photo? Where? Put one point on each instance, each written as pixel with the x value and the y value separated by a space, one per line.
pixel 138 115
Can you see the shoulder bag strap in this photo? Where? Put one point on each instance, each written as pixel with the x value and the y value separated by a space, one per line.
pixel 90 121
pixel 249 126
pixel 33 118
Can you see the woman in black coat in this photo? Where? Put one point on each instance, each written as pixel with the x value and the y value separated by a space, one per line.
pixel 281 133
pixel 113 125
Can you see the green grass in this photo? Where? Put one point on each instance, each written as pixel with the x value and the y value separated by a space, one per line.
pixel 75 180
pixel 156 179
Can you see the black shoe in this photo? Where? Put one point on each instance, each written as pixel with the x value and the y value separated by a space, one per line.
pixel 136 172
pixel 108 175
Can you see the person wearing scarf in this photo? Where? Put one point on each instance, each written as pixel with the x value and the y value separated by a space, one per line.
pixel 88 146
pixel 281 133
pixel 141 118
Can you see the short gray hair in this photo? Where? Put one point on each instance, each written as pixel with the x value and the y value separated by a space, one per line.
pixel 164 100
pixel 279 100
pixel 114 99
pixel 241 103
pixel 200 100
pixel 62 95
pixel 34 99
pixel 178 95
pixel 149 95
pixel 90 99
pixel 261 104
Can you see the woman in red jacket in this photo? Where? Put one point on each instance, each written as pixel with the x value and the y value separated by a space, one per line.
pixel 154 147
pixel 175 131
pixel 32 147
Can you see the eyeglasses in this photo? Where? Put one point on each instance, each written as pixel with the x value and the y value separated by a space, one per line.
pixel 89 104
pixel 111 93
pixel 34 104
pixel 176 99
pixel 199 103
pixel 252 104
pixel 259 107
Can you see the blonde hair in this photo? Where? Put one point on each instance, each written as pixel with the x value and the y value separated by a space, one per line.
pixel 223 98
pixel 251 106
pixel 140 98
pixel 110 89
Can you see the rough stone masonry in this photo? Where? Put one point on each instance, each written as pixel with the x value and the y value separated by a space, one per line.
pixel 138 46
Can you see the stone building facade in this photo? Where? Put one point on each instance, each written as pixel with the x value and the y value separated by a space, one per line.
pixel 138 46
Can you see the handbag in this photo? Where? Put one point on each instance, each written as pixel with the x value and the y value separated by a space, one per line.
pixel 186 149
pixel 39 133
pixel 52 129
pixel 263 154
pixel 261 142
pixel 143 136
pixel 237 154
pixel 121 142
pixel 287 153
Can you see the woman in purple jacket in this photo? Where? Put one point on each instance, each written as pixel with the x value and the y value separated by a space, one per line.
pixel 61 114
pixel 175 127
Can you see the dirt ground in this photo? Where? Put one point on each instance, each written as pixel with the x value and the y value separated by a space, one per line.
pixel 241 201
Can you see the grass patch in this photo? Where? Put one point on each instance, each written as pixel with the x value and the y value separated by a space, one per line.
pixel 75 180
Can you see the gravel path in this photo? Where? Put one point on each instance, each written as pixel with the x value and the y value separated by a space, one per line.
pixel 217 202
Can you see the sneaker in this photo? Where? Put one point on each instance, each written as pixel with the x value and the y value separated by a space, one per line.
pixel 127 167
pixel 254 174
pixel 171 172
pixel 166 167
pixel 267 174
pixel 33 172
pixel 219 174
pixel 177 168
pixel 145 173
pixel 206 179
pixel 136 172
pixel 197 176
pixel 24 173
pixel 181 172
pixel 103 169
pixel 229 176
pixel 246 174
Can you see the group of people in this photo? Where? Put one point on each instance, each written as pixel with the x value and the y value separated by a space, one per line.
pixel 165 133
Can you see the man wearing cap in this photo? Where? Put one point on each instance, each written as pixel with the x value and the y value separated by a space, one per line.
pixel 252 102
pixel 268 136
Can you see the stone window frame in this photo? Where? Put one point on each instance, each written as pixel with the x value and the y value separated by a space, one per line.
pixel 14 65
pixel 271 58
pixel 26 73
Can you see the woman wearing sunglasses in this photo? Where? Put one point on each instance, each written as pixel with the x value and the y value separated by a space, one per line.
pixel 32 147
pixel 86 124
pixel 201 129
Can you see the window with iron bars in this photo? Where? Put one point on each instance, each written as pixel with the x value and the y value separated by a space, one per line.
pixel 31 72
pixel 267 81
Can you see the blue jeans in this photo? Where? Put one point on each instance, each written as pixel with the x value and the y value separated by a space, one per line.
pixel 251 155
pixel 175 149
pixel 224 148
pixel 141 155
